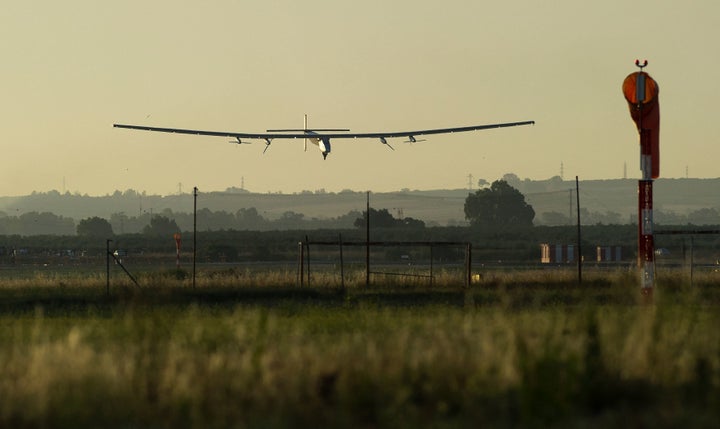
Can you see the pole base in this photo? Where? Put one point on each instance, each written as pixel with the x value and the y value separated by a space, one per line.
pixel 646 295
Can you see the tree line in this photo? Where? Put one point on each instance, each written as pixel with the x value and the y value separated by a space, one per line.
pixel 500 227
pixel 498 206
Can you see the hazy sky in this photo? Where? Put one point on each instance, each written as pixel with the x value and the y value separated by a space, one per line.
pixel 71 69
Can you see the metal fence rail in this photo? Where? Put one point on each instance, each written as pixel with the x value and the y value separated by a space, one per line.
pixel 304 266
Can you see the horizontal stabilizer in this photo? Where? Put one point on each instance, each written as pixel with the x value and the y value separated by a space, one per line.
pixel 305 130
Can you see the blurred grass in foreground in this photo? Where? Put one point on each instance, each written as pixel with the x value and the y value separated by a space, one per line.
pixel 515 350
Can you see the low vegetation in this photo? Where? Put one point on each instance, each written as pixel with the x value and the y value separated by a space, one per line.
pixel 251 349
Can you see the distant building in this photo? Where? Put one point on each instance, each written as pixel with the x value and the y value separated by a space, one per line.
pixel 557 253
pixel 608 253
pixel 567 253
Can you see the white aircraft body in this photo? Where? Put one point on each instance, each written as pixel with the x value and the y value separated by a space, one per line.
pixel 321 137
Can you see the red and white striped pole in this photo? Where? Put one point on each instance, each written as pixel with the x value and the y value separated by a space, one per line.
pixel 641 93
pixel 178 243
pixel 646 245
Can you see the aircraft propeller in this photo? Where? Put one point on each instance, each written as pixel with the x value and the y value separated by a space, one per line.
pixel 383 140
pixel 412 139
pixel 238 141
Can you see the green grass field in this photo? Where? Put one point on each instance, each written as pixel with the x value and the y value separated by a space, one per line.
pixel 530 349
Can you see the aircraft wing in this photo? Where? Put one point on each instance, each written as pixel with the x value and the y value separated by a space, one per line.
pixel 299 134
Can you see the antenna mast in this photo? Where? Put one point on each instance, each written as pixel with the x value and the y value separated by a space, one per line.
pixel 305 131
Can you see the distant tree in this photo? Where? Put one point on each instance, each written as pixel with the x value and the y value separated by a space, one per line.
pixel 348 219
pixel 236 190
pixel 214 221
pixel 125 224
pixel 290 220
pixel 668 217
pixel 500 205
pixel 383 219
pixel 556 180
pixel 511 178
pixel 119 220
pixel 96 227
pixel 409 222
pixel 161 226
pixel 291 216
pixel 378 219
pixel 249 218
pixel 611 218
pixel 554 218
pixel 45 223
pixel 705 216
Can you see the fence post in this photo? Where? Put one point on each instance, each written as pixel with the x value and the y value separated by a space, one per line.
pixel 692 259
pixel 431 265
pixel 307 255
pixel 367 241
pixel 301 266
pixel 342 263
pixel 107 266
pixel 468 265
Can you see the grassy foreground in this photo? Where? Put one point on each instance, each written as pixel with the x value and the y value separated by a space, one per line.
pixel 509 352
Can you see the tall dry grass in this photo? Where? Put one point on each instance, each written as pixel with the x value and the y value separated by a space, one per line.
pixel 358 362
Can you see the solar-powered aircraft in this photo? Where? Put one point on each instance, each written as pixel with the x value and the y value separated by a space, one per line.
pixel 321 137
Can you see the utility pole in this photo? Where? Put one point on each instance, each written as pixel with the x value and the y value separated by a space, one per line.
pixel 579 238
pixel 367 241
pixel 195 194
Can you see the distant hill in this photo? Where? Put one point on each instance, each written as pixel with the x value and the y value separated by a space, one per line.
pixel 673 198
pixel 601 201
